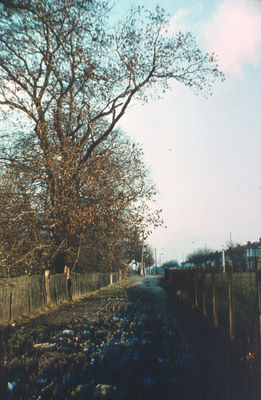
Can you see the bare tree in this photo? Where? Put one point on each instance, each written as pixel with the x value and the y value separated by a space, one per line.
pixel 71 76
pixel 203 256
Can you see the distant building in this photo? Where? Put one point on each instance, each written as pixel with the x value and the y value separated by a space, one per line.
pixel 154 270
pixel 251 253
pixel 244 257
pixel 134 266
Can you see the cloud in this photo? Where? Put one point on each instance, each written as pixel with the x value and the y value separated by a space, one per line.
pixel 234 34
pixel 184 18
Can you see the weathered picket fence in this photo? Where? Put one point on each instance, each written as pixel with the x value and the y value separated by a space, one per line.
pixel 26 294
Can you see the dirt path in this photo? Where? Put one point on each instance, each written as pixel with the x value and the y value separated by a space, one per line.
pixel 130 341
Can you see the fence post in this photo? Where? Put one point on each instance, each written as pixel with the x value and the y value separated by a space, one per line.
pixel 214 294
pixel 230 301
pixel 10 305
pixel 203 288
pixel 257 332
pixel 67 272
pixel 111 279
pixel 195 273
pixel 223 261
pixel 47 286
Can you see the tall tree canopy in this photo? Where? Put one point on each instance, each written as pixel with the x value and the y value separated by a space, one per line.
pixel 69 74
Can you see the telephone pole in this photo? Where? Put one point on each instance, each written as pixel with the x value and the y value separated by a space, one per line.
pixel 230 239
pixel 156 261
pixel 142 269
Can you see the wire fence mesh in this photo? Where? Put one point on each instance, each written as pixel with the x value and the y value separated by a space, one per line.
pixel 227 300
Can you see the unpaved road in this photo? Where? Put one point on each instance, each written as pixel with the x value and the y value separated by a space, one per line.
pixel 131 341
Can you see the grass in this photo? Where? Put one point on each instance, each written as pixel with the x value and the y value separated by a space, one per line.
pixel 244 301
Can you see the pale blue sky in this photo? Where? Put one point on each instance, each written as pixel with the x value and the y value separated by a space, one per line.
pixel 204 155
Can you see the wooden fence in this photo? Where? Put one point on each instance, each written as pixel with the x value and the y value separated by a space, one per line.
pixel 26 294
pixel 230 301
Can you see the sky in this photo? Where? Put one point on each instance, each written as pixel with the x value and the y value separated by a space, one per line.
pixel 204 154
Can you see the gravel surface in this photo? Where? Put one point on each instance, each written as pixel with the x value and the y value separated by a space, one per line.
pixel 129 341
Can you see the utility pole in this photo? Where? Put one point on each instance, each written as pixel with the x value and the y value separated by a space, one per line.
pixel 142 266
pixel 156 261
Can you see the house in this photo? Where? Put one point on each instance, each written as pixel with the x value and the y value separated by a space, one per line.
pixel 244 257
pixel 252 251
